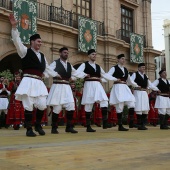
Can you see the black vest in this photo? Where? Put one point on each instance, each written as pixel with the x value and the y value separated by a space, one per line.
pixel 66 75
pixel 119 73
pixel 163 87
pixel 91 71
pixel 31 61
pixel 140 81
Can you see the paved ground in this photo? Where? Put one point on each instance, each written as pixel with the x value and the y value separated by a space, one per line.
pixel 104 150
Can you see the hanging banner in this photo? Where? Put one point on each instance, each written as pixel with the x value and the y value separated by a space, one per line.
pixel 25 12
pixel 136 48
pixel 87 38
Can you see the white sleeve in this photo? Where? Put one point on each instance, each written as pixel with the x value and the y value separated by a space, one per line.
pixel 21 49
pixel 107 76
pixel 8 92
pixel 133 76
pixel 151 86
pixel 111 71
pixel 131 82
pixel 49 70
pixel 155 83
pixel 0 91
pixel 81 67
pixel 78 73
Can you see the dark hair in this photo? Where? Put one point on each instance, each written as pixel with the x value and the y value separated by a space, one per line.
pixel 62 49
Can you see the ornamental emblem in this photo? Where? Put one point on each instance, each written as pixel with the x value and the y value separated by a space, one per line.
pixel 25 21
pixel 88 37
pixel 137 49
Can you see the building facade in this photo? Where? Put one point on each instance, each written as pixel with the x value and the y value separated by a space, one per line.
pixel 167 45
pixel 58 27
pixel 160 62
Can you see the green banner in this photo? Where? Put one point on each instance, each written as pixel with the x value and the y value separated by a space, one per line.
pixel 25 11
pixel 87 34
pixel 136 48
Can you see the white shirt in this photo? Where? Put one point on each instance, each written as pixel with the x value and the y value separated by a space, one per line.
pixel 156 82
pixel 129 80
pixel 74 72
pixel 64 64
pixel 149 84
pixel 104 75
pixel 22 51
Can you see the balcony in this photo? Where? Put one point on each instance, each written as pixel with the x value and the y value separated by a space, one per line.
pixel 125 36
pixel 56 14
pixel 6 4
pixel 132 2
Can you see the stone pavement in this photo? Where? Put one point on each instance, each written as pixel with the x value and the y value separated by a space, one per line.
pixel 104 150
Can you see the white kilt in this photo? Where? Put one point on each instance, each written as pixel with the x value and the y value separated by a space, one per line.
pixel 162 102
pixel 60 94
pixel 93 92
pixel 31 87
pixel 142 100
pixel 4 103
pixel 121 93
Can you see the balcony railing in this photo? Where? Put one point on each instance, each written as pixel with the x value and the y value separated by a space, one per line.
pixel 125 35
pixel 56 14
pixel 6 4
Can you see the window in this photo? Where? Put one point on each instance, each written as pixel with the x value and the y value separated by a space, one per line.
pixel 126 21
pixel 82 7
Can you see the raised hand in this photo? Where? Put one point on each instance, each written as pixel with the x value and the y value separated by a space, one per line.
pixel 13 21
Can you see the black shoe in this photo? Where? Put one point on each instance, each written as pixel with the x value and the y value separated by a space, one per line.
pixel 54 130
pixel 16 127
pixel 70 129
pixel 121 128
pixel 105 126
pixel 98 125
pixel 133 125
pixel 142 128
pixel 30 133
pixel 38 128
pixel 89 129
pixel 164 127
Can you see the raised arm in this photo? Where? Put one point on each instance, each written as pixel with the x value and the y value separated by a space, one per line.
pixel 21 49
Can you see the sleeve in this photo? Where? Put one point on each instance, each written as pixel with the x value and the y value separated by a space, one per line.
pixel 131 82
pixel 81 67
pixel 111 71
pixel 78 73
pixel 133 76
pixel 10 86
pixel 21 49
pixel 8 92
pixel 155 83
pixel 50 69
pixel 107 76
pixel 151 86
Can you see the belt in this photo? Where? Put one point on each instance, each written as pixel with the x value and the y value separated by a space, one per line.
pixel 3 96
pixel 140 89
pixel 163 94
pixel 60 82
pixel 119 82
pixel 32 76
pixel 92 79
